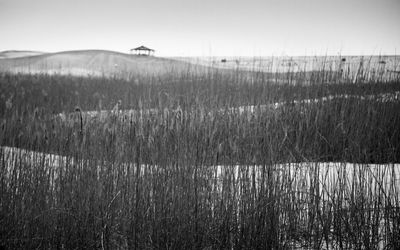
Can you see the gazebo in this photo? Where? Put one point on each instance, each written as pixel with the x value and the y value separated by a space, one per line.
pixel 143 51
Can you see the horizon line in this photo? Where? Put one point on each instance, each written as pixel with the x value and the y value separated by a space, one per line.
pixel 282 54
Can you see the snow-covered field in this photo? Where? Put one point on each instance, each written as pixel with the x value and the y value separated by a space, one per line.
pixel 383 97
pixel 335 184
pixel 383 178
pixel 300 63
pixel 130 113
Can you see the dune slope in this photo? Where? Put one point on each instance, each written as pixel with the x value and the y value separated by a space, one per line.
pixel 93 63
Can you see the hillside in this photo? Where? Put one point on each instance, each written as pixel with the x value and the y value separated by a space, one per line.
pixel 116 64
pixel 93 63
pixel 19 53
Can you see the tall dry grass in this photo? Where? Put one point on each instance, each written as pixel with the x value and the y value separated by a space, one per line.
pixel 198 172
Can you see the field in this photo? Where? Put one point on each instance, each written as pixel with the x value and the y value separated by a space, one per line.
pixel 216 158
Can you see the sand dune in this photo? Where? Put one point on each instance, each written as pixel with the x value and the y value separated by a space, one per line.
pixel 93 63
pixel 116 64
pixel 19 53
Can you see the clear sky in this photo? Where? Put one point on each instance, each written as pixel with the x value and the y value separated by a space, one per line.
pixel 204 27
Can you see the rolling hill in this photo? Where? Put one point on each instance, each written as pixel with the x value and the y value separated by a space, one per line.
pixel 115 64
pixel 92 63
pixel 19 53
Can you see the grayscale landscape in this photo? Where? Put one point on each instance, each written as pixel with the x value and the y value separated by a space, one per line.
pixel 202 126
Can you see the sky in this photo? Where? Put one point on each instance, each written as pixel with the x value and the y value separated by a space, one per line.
pixel 204 27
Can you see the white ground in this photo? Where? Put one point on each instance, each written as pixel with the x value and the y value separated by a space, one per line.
pixel 385 178
pixel 129 113
pixel 375 181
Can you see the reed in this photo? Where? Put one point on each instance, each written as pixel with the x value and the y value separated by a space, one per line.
pixel 201 170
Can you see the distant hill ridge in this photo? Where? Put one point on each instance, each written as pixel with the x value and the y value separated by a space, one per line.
pixel 19 53
pixel 117 64
pixel 88 62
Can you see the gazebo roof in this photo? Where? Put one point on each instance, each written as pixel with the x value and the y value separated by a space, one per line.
pixel 143 48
